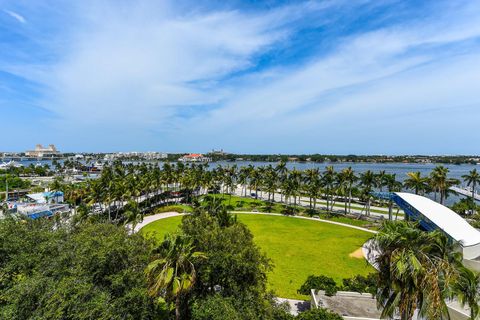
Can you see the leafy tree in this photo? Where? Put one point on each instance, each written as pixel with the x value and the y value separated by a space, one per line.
pixel 88 271
pixel 361 284
pixel 318 314
pixel 318 283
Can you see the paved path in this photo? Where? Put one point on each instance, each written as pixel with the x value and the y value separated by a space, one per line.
pixel 165 215
pixel 155 217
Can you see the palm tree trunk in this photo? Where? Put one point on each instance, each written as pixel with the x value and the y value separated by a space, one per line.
pixel 177 308
pixel 390 208
pixel 350 199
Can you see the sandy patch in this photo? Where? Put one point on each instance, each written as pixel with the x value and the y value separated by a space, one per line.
pixel 357 254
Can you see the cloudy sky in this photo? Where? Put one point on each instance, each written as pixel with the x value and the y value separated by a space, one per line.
pixel 343 77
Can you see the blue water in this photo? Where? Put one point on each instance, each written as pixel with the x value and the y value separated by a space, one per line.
pixel 400 169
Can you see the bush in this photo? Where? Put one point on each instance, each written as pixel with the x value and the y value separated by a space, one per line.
pixel 319 283
pixel 361 284
pixel 214 308
pixel 318 314
pixel 172 208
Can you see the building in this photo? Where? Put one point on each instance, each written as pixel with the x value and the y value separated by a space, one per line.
pixel 194 157
pixel 41 151
pixel 363 306
pixel 46 197
pixel 432 215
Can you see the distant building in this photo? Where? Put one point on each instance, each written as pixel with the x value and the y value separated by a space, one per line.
pixel 194 157
pixel 218 152
pixel 41 151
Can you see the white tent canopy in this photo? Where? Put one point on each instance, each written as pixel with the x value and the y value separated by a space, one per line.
pixel 448 221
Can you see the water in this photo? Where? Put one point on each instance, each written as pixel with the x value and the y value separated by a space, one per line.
pixel 400 169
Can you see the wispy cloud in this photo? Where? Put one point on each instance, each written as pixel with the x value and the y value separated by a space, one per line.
pixel 15 15
pixel 329 76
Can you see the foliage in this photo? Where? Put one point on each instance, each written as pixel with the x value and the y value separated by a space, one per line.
pixel 418 270
pixel 361 284
pixel 172 274
pixel 318 314
pixel 319 283
pixel 289 242
pixel 465 206
pixel 173 208
pixel 215 307
pixel 14 182
pixel 88 272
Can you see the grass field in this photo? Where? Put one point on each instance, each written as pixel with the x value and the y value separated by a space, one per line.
pixel 297 247
pixel 241 204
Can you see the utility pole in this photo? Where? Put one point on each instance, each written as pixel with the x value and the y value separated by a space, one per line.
pixel 6 184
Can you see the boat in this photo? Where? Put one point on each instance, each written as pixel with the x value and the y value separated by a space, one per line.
pixel 10 164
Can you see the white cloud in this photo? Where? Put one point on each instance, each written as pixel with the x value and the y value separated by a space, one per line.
pixel 16 16
pixel 140 72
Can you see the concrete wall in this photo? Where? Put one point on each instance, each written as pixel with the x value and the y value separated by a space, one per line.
pixel 472 264
pixel 471 252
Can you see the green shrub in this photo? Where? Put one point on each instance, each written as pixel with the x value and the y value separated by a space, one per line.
pixel 172 208
pixel 318 314
pixel 319 283
pixel 361 284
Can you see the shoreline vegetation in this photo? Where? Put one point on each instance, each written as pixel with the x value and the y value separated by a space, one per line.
pixel 217 156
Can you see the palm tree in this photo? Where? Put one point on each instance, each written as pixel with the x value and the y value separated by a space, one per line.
pixel 328 181
pixel 282 171
pixel 472 179
pixel 270 182
pixel 367 181
pixel 416 182
pixel 416 270
pixel 348 178
pixel 172 273
pixel 312 185
pixel 133 214
pixel 295 179
pixel 392 185
pixel 466 288
pixel 440 182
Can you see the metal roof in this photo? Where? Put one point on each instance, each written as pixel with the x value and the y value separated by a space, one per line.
pixel 444 218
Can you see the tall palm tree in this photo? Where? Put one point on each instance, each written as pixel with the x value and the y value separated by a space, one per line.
pixel 367 182
pixel 416 270
pixel 348 178
pixel 172 273
pixel 472 179
pixel 392 185
pixel 329 181
pixel 270 182
pixel 441 183
pixel 312 186
pixel 416 182
pixel 466 288
pixel 282 172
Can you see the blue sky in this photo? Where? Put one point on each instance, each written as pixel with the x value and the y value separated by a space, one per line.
pixel 337 77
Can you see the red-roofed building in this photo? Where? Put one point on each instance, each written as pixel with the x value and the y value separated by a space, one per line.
pixel 194 157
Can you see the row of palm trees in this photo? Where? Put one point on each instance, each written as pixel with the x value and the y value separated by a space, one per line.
pixel 151 185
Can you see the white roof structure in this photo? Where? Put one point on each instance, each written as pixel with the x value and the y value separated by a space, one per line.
pixel 444 218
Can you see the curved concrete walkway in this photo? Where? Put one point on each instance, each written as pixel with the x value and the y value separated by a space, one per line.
pixel 165 215
pixel 155 217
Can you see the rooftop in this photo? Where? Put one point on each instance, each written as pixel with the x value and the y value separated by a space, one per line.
pixel 444 218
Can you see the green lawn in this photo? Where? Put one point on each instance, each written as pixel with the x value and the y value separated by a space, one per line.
pixel 235 203
pixel 297 247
